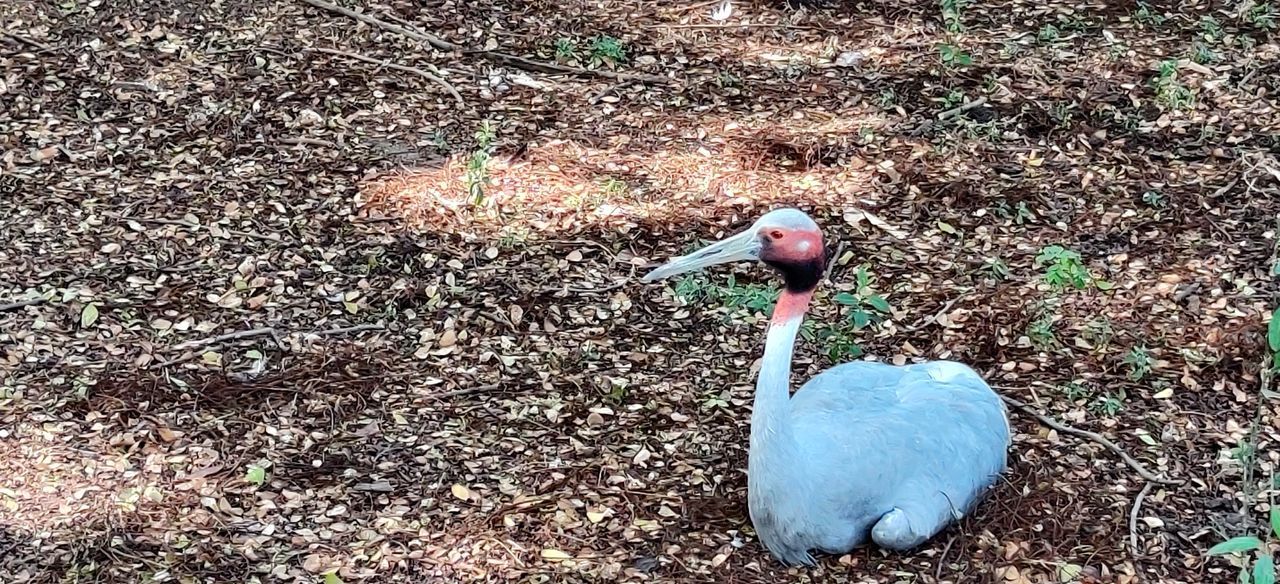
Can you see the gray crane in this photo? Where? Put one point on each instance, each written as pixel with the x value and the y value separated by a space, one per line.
pixel 864 450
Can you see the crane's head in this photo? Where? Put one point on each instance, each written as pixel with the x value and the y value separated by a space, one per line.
pixel 786 239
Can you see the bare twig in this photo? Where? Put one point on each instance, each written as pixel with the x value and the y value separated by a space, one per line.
pixel 467 391
pixel 378 487
pixel 937 572
pixel 1133 519
pixel 258 332
pixel 1092 436
pixel 831 265
pixel 349 329
pixel 964 107
pixel 497 57
pixel 251 333
pixel 926 321
pixel 26 41
pixel 381 63
pixel 22 304
pixel 307 141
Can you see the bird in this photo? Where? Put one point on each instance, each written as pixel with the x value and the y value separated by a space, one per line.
pixel 864 452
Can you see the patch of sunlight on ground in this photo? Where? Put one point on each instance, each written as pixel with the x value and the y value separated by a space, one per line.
pixel 722 167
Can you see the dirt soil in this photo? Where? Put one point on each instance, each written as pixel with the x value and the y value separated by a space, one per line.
pixel 275 313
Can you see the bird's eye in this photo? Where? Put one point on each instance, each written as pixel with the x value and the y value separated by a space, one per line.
pixel 776 234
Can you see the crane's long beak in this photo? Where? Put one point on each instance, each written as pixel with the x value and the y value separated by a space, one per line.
pixel 741 247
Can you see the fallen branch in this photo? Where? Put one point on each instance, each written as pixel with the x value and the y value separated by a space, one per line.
pixel 497 57
pixel 1133 519
pixel 955 111
pixel 258 332
pixel 26 41
pixel 1093 436
pixel 349 329
pixel 22 304
pixel 251 333
pixel 307 142
pixel 416 71
pixel 467 391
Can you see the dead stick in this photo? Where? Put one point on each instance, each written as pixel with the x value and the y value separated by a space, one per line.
pixel 467 391
pixel 503 58
pixel 416 71
pixel 1093 436
pixel 1133 519
pixel 955 111
pixel 258 332
pixel 22 304
pixel 350 329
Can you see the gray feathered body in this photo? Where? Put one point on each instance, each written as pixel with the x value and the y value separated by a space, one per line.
pixel 874 451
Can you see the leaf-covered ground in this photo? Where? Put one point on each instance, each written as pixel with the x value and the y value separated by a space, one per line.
pixel 272 311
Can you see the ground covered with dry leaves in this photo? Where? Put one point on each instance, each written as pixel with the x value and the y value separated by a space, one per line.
pixel 277 305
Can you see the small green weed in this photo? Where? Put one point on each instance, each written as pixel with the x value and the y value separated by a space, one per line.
pixel 1075 391
pixel 953 15
pixel 1109 404
pixel 1064 268
pixel 1155 199
pixel 1169 91
pixel 1147 16
pixel 953 57
pixel 1040 332
pixel 1140 362
pixel 953 98
pixel 1019 213
pixel 727 80
pixel 1261 15
pixel 866 305
pixel 1211 29
pixel 1048 34
pixel 607 50
pixel 840 342
pixel 887 98
pixel 1098 332
pixel 478 164
pixel 567 50
pixel 734 296
pixel 1061 113
pixel 996 268
pixel 1257 566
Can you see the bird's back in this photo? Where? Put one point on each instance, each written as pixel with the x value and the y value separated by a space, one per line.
pixel 879 435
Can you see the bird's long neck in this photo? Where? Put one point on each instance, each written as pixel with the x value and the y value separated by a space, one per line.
pixel 773 391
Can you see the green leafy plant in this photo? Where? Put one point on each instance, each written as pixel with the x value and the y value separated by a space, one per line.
pixel 1253 553
pixel 607 50
pixel 953 57
pixel 1109 404
pixel 567 50
pixel 1147 16
pixel 1040 332
pixel 866 305
pixel 478 165
pixel 1048 34
pixel 839 340
pixel 1211 29
pixel 1273 339
pixel 1155 199
pixel 996 268
pixel 953 98
pixel 1169 91
pixel 1261 15
pixel 753 297
pixel 1140 362
pixel 256 474
pixel 1064 268
pixel 953 14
